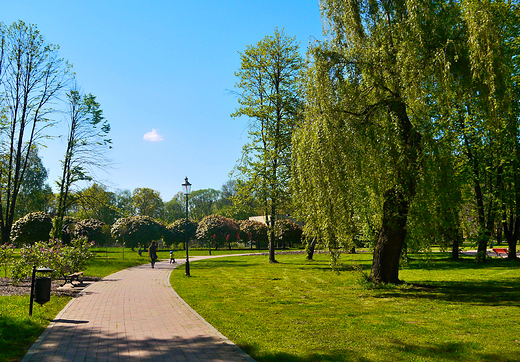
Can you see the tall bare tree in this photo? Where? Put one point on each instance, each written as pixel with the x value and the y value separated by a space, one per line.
pixel 87 143
pixel 31 77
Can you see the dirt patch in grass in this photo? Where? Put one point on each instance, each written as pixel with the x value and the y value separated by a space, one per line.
pixel 7 288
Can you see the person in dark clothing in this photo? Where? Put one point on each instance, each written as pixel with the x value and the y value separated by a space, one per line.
pixel 152 252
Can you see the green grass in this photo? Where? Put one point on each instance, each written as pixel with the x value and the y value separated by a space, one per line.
pixel 17 330
pixel 302 311
pixel 114 259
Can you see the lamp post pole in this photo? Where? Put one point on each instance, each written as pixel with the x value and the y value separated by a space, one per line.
pixel 187 188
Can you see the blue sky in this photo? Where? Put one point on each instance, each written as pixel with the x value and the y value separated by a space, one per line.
pixel 163 72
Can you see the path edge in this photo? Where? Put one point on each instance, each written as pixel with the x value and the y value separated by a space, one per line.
pixel 216 331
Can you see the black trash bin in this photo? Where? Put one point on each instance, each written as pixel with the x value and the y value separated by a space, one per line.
pixel 42 290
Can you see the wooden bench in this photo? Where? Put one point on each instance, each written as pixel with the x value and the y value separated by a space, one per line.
pixel 70 277
pixel 501 252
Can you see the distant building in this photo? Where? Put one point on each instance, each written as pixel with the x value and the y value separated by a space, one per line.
pixel 262 219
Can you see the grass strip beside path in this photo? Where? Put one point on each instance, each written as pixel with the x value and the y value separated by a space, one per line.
pixel 302 311
pixel 18 331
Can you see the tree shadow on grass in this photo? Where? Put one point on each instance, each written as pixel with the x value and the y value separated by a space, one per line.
pixel 489 293
pixel 16 336
pixel 464 263
pixel 451 351
pixel 332 355
pixel 398 350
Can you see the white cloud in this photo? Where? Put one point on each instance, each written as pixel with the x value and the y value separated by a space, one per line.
pixel 153 136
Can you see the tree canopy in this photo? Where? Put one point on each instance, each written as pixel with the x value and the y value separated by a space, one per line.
pixel 268 83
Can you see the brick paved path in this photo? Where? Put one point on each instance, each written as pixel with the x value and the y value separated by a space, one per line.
pixel 132 315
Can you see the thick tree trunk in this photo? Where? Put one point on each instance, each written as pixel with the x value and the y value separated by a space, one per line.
pixel 310 248
pixel 272 258
pixel 456 242
pixel 387 253
pixel 511 233
pixel 6 235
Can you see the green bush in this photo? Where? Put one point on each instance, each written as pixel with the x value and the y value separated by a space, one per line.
pixel 253 232
pixel 175 232
pixel 137 231
pixel 52 254
pixel 288 232
pixel 93 230
pixel 218 230
pixel 31 228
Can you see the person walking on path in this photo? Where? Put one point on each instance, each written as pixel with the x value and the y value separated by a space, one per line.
pixel 152 251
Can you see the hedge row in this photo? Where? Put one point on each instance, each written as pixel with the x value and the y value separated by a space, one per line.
pixel 139 231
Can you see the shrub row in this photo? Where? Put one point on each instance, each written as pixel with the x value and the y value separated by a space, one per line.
pixel 139 231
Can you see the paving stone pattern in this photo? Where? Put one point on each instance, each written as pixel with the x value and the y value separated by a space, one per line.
pixel 132 315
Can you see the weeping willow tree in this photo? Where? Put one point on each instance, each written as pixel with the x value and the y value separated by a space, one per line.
pixel 358 153
pixel 402 94
pixel 485 114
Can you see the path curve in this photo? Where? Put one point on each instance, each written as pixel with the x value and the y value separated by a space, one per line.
pixel 133 315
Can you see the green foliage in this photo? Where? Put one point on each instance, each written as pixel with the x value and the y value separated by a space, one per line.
pixel 147 202
pixel 203 203
pixel 95 202
pixel 31 228
pixel 6 255
pixel 175 209
pixel 176 232
pixel 52 254
pixel 218 230
pixel 32 78
pixel 269 98
pixel 137 231
pixel 408 107
pixel 92 229
pixel 254 232
pixel 288 232
pixel 35 194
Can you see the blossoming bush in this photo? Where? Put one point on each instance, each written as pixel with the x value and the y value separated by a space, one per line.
pixel 137 230
pixel 254 232
pixel 52 254
pixel 175 232
pixel 92 229
pixel 217 229
pixel 31 228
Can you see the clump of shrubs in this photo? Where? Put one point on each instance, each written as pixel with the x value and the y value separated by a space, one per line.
pixel 52 254
pixel 287 233
pixel 218 230
pixel 254 232
pixel 137 231
pixel 31 228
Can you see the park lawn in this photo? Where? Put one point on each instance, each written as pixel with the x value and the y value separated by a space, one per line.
pixel 18 331
pixel 302 311
pixel 113 259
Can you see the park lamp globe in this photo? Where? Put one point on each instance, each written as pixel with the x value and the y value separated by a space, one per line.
pixel 186 186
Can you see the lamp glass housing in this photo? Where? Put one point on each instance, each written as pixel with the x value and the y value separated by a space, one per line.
pixel 186 186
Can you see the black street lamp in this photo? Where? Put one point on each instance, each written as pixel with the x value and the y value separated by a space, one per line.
pixel 187 189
